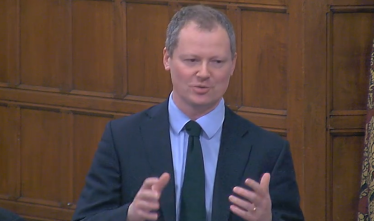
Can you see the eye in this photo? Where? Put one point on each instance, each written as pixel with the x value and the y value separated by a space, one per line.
pixel 217 63
pixel 191 60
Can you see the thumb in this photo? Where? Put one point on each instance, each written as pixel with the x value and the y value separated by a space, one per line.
pixel 161 183
pixel 265 181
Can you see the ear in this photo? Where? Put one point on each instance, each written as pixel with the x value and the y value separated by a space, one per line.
pixel 166 60
pixel 233 64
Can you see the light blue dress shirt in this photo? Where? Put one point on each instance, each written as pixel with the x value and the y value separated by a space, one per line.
pixel 210 138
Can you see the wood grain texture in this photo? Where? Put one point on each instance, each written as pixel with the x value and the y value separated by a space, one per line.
pixel 87 131
pixel 3 42
pixel 42 151
pixel 316 207
pixel 93 46
pixel 145 42
pixel 346 162
pixel 9 43
pixel 43 35
pixel 350 53
pixel 264 61
pixel 9 152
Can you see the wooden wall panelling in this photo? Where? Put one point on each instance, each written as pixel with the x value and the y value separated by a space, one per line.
pixel 10 165
pixel 77 101
pixel 252 2
pixel 3 43
pixel 37 212
pixel 351 2
pixel 234 94
pixel 9 42
pixel 43 40
pixel 120 48
pixel 264 31
pixel 295 92
pixel 315 140
pixel 43 151
pixel 346 162
pixel 350 57
pixel 264 42
pixel 349 48
pixel 87 130
pixel 145 42
pixel 67 159
pixel 94 48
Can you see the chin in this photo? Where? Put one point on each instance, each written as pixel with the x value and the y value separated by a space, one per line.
pixel 203 103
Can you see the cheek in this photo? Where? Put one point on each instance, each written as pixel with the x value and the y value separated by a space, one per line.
pixel 180 75
pixel 223 80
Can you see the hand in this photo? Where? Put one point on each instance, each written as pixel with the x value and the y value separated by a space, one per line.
pixel 146 202
pixel 255 205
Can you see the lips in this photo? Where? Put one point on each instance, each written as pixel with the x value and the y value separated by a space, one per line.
pixel 200 89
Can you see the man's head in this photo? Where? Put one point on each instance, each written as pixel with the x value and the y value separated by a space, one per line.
pixel 205 17
pixel 200 55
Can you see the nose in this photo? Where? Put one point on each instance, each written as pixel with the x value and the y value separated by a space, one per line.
pixel 203 71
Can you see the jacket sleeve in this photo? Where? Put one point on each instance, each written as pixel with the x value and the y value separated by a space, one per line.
pixel 283 189
pixel 100 198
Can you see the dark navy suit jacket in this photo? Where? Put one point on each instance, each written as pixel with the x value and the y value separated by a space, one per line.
pixel 137 147
pixel 6 215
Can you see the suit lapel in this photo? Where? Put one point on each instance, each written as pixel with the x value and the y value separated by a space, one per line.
pixel 156 137
pixel 232 162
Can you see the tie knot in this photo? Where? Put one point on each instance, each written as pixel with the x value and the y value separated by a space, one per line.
pixel 193 128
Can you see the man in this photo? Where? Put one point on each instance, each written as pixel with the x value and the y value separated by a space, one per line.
pixel 191 158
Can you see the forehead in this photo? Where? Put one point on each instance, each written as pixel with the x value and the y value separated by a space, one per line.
pixel 192 37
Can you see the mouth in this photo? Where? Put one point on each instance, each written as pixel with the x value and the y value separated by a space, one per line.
pixel 200 89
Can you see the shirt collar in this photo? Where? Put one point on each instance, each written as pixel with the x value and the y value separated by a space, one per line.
pixel 210 123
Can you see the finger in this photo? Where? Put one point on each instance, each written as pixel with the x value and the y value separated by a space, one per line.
pixel 148 215
pixel 243 204
pixel 265 181
pixel 148 183
pixel 255 186
pixel 246 194
pixel 148 195
pixel 161 183
pixel 241 213
pixel 147 206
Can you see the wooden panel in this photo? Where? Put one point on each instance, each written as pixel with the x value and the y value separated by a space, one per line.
pixel 314 88
pixel 233 95
pixel 266 2
pixel 9 153
pixel 351 2
pixel 295 93
pixel 345 121
pixel 346 165
pixel 264 60
pixel 350 64
pixel 3 42
pixel 94 104
pixel 45 55
pixel 87 134
pixel 34 210
pixel 5 145
pixel 145 42
pixel 42 151
pixel 9 42
pixel 93 46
